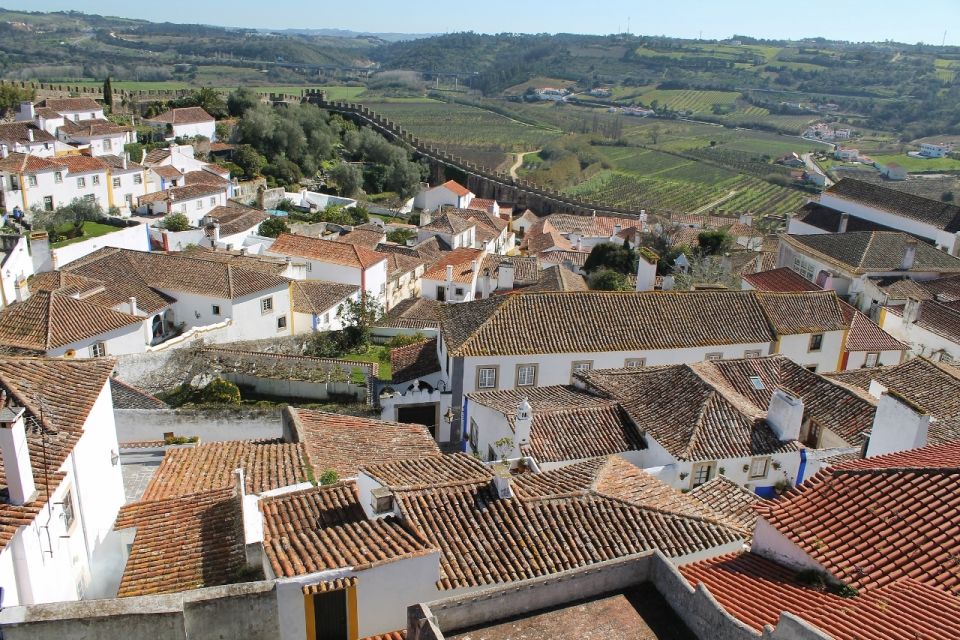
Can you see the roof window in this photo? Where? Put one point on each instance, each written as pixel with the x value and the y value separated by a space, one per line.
pixel 757 383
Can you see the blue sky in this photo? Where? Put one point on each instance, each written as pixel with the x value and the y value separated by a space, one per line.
pixel 901 20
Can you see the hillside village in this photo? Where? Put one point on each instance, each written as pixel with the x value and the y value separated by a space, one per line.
pixel 231 407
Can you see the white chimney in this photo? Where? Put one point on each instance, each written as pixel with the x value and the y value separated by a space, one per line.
pixel 485 284
pixel 473 266
pixel 27 111
pixel 124 161
pixel 912 310
pixel 646 270
pixel 30 134
pixel 501 482
pixel 909 254
pixel 133 306
pixel 426 218
pixel 617 229
pixel 16 455
pixel 746 219
pixel 785 415
pixel 522 423
pixel 667 283
pixel 21 289
pixel 215 234
pixel 844 220
pixel 449 273
pixel 4 151
pixel 505 275
pixel 898 425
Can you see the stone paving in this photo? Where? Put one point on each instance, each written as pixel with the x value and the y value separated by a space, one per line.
pixel 138 466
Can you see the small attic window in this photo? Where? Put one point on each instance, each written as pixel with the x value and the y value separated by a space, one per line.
pixel 757 383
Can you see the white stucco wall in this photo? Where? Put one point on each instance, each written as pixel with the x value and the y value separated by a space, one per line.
pixel 797 348
pixel 128 339
pixel 770 543
pixel 18 265
pixel 857 359
pixel 206 129
pixel 923 342
pixel 136 238
pixel 865 212
pixel 62 192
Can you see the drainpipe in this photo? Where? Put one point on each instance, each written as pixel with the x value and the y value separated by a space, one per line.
pixel 79 492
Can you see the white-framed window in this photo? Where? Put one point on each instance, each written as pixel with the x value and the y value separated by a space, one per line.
pixel 751 353
pixel 804 267
pixel 116 182
pixel 281 323
pixel 68 513
pixel 266 305
pixel 31 181
pixel 81 183
pixel 107 144
pixel 137 178
pixel 459 291
pixel 816 342
pixel 48 203
pixel 183 208
pixel 199 204
pixel 634 363
pixel 872 360
pixel 580 366
pixel 213 201
pixel 526 375
pixel 58 176
pixel 703 472
pixel 215 309
pixel 714 356
pixel 96 180
pixel 757 383
pixel 98 350
pixel 487 377
pixel 759 467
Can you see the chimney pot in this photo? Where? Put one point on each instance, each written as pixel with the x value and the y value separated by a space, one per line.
pixel 909 254
pixel 133 306
pixel 21 289
pixel 30 134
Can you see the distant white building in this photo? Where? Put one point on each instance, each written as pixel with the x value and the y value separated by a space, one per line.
pixel 930 150
pixel 186 122
pixel 53 113
pixel 449 194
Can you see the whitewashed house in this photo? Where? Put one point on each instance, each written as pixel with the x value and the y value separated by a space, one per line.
pixel 932 150
pixel 58 543
pixel 318 305
pixel 455 277
pixel 48 183
pixel 452 230
pixel 449 194
pixel 27 137
pixel 195 201
pixel 53 113
pixel 127 182
pixel 185 122
pixel 96 136
pixel 16 265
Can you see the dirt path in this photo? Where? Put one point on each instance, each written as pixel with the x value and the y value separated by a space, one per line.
pixel 519 162
pixel 713 204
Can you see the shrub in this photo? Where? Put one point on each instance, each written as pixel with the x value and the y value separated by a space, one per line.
pixel 329 477
pixel 176 222
pixel 220 391
pixel 273 227
pixel 401 235
pixel 402 339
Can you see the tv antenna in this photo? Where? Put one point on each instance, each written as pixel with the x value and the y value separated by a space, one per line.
pixel 944 42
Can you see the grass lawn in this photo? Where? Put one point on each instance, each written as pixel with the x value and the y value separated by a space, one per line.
pixel 375 353
pixel 90 230
pixel 916 165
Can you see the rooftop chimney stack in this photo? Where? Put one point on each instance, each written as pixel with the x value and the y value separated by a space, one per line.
pixel 898 425
pixel 785 415
pixel 426 217
pixel 485 284
pixel 474 265
pixel 912 310
pixel 505 275
pixel 522 423
pixel 27 111
pixel 844 220
pixel 21 289
pixel 646 269
pixel 133 306
pixel 909 254
pixel 30 134
pixel 16 455
pixel 124 161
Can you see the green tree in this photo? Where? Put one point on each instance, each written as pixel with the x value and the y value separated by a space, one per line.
pixel 283 172
pixel 401 235
pixel 108 93
pixel 211 101
pixel 610 255
pixel 714 242
pixel 404 178
pixel 273 227
pixel 604 279
pixel 220 391
pixel 348 177
pixel 176 222
pixel 247 158
pixel 11 97
pixel 360 315
pixel 241 101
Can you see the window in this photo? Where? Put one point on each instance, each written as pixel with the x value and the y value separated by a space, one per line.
pixel 580 366
pixel 474 434
pixel 811 367
pixel 751 353
pixel 48 203
pixel 326 318
pixel 804 267
pixel 487 377
pixel 872 359
pixel 137 178
pixel 107 144
pixel 633 363
pixel 810 435
pixel 213 201
pixel 98 350
pixel 714 356
pixel 89 197
pixel 215 309
pixel 816 342
pixel 702 473
pixel 459 291
pixel 281 323
pixel 199 204
pixel 116 183
pixel 526 375
pixel 757 383
pixel 69 515
pixel 266 305
pixel 31 181
pixel 309 266
pixel 441 293
pixel 96 180
pixel 58 176
pixel 81 183
pixel 759 467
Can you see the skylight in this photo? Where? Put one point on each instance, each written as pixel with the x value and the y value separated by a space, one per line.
pixel 757 383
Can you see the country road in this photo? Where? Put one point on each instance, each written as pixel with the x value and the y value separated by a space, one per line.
pixel 812 167
pixel 519 162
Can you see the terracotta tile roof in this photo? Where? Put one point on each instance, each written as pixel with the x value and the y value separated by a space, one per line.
pixel 865 335
pixel 183 115
pixel 64 282
pixel 568 424
pixel 326 528
pixel 733 502
pixel 17 132
pixel 543 236
pixel 414 361
pixel 781 280
pixel 66 390
pixel 156 156
pixel 606 321
pixel 946 289
pixel 48 321
pixel 872 522
pixel 167 172
pixel 940 319
pixel 413 474
pixel 186 192
pixel 81 164
pixel 559 256
pixel 872 251
pixel 830 220
pixel 413 313
pixel 806 312
pixel 319 296
pixel 368 238
pixel 126 396
pixel 120 281
pixel 326 586
pixel 589 226
pixel 93 127
pixel 26 163
pixel 557 278
pixel 347 443
pixel 179 272
pixel 205 177
pixel 266 465
pixel 115 163
pixel 526 269
pixel 462 260
pixel 448 223
pixel 455 187
pixel 235 219
pixel 756 590
pixel 483 218
pixel 183 543
pixel 253 262
pixel 941 215
pixel 399 264
pixel 70 105
pixel 483 204
pixel 326 251
pixel 484 539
